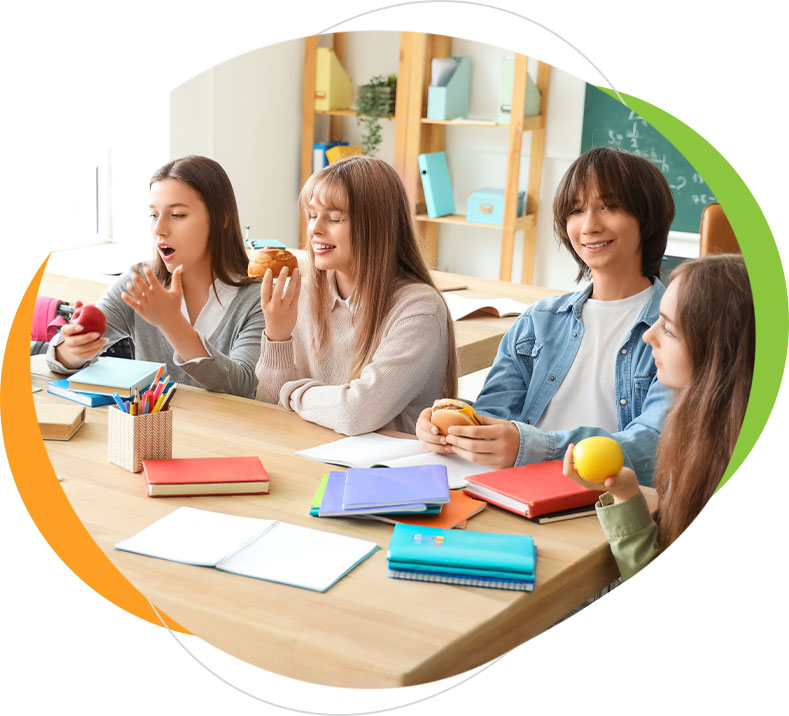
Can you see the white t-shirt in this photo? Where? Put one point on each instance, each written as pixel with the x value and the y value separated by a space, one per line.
pixel 587 395
pixel 210 315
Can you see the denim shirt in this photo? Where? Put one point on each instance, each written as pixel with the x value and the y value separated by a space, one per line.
pixel 533 359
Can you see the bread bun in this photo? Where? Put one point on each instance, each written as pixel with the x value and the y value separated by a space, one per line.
pixel 271 258
pixel 448 412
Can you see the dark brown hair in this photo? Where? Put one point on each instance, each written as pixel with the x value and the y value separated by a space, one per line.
pixel 716 322
pixel 229 260
pixel 385 253
pixel 634 184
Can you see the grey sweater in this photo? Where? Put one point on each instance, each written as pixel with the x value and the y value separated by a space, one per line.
pixel 234 346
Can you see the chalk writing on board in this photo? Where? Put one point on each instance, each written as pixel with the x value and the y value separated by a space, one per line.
pixel 607 122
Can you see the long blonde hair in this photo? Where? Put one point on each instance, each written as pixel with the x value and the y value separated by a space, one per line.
pixel 385 254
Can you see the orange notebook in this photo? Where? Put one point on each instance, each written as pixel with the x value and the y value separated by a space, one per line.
pixel 205 476
pixel 453 514
pixel 531 490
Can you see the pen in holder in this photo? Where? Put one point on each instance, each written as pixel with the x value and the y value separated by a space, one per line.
pixel 134 438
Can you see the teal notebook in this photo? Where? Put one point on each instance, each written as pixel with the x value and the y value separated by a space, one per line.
pixel 110 375
pixel 431 549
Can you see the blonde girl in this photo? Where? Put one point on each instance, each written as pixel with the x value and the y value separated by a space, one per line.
pixel 367 342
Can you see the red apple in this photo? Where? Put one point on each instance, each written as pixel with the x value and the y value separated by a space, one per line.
pixel 89 317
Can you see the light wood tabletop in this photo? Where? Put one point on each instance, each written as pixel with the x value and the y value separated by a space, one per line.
pixel 477 337
pixel 368 630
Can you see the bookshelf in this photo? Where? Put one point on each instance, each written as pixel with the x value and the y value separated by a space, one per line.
pixel 420 135
pixel 415 134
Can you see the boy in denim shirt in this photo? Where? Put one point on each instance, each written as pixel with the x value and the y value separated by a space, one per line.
pixel 574 366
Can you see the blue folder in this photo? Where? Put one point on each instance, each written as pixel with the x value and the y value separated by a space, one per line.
pixel 436 184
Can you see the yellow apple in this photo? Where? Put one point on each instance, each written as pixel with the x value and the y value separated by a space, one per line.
pixel 597 458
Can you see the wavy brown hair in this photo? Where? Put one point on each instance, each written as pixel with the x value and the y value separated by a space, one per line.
pixel 385 253
pixel 716 321
pixel 634 184
pixel 229 260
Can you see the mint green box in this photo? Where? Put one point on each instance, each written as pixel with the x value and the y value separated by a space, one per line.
pixel 507 77
pixel 451 100
pixel 486 206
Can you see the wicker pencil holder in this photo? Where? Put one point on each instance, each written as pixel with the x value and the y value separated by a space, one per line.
pixel 134 438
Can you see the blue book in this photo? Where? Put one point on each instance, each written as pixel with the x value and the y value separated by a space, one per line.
pixel 436 184
pixel 110 375
pixel 332 506
pixel 382 486
pixel 430 549
pixel 92 400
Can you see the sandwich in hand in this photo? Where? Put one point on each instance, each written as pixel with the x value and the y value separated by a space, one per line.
pixel 448 412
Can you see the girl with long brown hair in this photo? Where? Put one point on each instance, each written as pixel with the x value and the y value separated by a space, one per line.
pixel 193 308
pixel 703 345
pixel 373 343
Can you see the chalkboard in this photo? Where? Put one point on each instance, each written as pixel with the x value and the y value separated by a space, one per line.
pixel 609 123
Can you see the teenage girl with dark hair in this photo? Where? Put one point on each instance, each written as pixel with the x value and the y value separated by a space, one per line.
pixel 194 308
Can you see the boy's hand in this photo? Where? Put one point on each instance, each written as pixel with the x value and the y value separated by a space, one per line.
pixel 622 486
pixel 429 436
pixel 495 443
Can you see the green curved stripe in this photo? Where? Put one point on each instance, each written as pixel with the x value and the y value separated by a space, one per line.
pixel 760 252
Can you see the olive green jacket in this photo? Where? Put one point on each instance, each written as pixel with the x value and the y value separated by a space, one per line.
pixel 631 532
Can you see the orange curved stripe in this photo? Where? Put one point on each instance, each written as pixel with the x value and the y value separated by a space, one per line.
pixel 35 479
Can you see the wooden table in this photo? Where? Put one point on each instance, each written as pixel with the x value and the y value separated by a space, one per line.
pixel 367 630
pixel 477 338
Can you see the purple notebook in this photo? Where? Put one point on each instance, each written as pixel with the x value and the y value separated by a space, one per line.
pixel 381 486
pixel 331 504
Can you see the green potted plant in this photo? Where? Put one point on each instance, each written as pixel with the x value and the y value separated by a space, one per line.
pixel 376 100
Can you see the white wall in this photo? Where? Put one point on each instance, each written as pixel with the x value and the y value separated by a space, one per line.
pixel 246 114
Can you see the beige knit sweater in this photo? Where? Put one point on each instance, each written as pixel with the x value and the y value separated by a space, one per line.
pixel 405 375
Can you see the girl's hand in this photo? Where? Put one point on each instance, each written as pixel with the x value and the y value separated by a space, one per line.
pixel 495 443
pixel 429 436
pixel 280 303
pixel 622 486
pixel 159 306
pixel 78 348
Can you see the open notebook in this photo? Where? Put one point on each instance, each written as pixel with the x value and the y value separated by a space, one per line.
pixel 374 450
pixel 264 549
pixel 461 307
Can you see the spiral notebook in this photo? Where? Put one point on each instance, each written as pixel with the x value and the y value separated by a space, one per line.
pixel 264 549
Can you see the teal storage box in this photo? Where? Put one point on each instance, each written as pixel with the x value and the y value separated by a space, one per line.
pixel 451 99
pixel 486 206
pixel 532 106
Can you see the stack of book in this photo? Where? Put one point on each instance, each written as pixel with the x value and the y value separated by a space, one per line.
pixel 328 502
pixel 467 558
pixel 370 491
pixel 94 385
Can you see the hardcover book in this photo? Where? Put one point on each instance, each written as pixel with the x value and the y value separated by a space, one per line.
pixel 531 490
pixel 205 476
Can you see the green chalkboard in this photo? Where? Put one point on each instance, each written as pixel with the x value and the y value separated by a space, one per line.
pixel 609 123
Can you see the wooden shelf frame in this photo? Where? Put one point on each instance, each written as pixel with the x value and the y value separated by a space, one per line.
pixel 415 135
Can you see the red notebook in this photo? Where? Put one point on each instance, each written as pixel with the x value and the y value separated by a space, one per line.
pixel 205 476
pixel 531 490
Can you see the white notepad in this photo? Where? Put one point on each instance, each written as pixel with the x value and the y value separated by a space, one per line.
pixel 374 450
pixel 264 549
